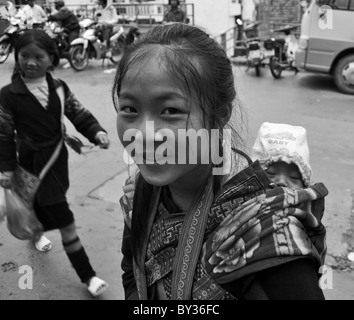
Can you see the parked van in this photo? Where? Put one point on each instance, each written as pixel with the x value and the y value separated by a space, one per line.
pixel 327 41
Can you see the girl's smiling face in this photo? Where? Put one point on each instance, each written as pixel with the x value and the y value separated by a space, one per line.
pixel 152 94
pixel 34 61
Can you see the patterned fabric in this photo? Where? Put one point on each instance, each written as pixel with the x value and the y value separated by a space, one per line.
pixel 161 253
pixel 249 228
pixel 263 228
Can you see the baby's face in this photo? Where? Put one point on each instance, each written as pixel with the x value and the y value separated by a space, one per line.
pixel 285 175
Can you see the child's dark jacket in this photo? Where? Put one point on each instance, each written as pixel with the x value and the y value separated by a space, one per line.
pixel 29 133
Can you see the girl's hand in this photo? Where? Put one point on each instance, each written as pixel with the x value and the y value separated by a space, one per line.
pixel 5 179
pixel 102 140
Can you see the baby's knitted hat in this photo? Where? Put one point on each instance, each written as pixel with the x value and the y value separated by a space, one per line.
pixel 282 142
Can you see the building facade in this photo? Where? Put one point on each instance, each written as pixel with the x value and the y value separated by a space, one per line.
pixel 275 14
pixel 216 16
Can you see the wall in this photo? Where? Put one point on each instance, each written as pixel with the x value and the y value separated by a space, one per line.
pixel 214 15
pixel 80 2
pixel 82 7
pixel 278 13
pixel 249 9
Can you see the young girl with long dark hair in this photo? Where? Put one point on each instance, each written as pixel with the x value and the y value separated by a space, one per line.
pixel 30 129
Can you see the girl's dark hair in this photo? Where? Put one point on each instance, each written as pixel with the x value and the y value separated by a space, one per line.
pixel 201 68
pixel 192 57
pixel 41 39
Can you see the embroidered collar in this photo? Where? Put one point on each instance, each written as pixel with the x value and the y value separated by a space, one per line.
pixel 18 86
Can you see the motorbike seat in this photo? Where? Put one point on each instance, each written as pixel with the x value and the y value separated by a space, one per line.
pixel 254 46
pixel 253 40
pixel 269 44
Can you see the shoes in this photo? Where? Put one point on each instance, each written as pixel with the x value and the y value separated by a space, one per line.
pixel 43 244
pixel 96 286
pixel 109 54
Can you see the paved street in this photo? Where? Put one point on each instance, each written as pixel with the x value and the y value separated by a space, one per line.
pixel 306 99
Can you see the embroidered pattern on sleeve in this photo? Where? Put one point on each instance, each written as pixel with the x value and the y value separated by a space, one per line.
pixel 73 107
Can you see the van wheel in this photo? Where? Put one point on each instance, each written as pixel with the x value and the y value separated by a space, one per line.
pixel 344 74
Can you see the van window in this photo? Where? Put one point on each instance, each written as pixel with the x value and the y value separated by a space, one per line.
pixel 352 5
pixel 336 4
pixel 342 4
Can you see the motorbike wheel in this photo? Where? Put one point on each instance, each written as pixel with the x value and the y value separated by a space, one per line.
pixel 77 58
pixel 275 67
pixel 5 49
pixel 117 51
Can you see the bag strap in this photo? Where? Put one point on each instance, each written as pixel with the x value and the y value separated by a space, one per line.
pixel 61 93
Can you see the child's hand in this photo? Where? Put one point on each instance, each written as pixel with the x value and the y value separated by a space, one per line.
pixel 102 140
pixel 5 179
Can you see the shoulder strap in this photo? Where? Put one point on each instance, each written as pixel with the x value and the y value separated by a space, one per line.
pixel 61 93
pixel 243 154
pixel 190 244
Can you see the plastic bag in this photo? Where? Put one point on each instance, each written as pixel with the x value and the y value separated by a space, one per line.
pixel 2 204
pixel 21 221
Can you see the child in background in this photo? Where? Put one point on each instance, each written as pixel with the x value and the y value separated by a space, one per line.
pixel 31 107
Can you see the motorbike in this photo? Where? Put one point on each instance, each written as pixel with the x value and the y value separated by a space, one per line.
pixel 90 45
pixel 9 37
pixel 250 45
pixel 285 48
pixel 60 36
